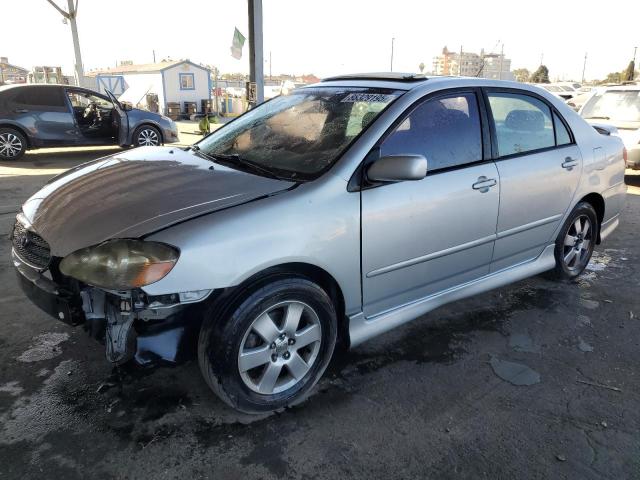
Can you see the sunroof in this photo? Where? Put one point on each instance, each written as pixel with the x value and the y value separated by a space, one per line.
pixel 389 76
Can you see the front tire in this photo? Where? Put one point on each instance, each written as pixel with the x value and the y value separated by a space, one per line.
pixel 575 242
pixel 272 349
pixel 147 136
pixel 13 144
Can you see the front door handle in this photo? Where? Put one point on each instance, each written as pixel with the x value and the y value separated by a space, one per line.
pixel 569 163
pixel 483 184
pixel 21 110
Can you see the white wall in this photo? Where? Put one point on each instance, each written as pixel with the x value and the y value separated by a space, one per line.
pixel 172 85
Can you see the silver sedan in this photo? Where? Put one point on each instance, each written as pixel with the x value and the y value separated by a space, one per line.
pixel 332 214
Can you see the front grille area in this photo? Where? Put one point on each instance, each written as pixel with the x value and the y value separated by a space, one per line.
pixel 30 247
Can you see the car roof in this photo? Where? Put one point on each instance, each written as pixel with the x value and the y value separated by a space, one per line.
pixel 413 81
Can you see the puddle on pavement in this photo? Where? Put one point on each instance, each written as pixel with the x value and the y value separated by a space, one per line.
pixel 522 342
pixel 584 346
pixel 12 388
pixel 514 373
pixel 44 347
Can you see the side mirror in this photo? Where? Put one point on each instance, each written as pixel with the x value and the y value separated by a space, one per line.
pixel 397 168
pixel 126 106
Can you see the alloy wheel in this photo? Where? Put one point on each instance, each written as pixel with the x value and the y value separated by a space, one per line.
pixel 279 347
pixel 148 137
pixel 578 243
pixel 10 145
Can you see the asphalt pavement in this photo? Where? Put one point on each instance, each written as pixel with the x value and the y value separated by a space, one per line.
pixel 535 380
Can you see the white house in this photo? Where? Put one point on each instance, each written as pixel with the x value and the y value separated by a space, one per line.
pixel 172 81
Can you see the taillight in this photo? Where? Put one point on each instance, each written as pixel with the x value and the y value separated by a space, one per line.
pixel 624 154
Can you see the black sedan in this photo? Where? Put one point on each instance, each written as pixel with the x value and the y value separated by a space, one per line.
pixel 38 116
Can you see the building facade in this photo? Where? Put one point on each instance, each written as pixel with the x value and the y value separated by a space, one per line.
pixel 172 81
pixel 470 64
pixel 11 73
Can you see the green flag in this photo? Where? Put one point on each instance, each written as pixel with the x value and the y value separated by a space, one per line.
pixel 237 44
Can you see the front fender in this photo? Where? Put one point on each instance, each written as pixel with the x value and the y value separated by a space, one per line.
pixel 313 224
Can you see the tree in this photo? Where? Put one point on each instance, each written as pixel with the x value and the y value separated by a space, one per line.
pixel 421 67
pixel 613 77
pixel 628 74
pixel 541 75
pixel 522 74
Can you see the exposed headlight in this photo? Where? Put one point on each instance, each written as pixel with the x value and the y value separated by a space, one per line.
pixel 121 264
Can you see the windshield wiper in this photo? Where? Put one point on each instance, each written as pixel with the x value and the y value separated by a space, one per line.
pixel 598 118
pixel 238 160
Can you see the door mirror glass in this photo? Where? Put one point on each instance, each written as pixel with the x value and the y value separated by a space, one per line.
pixel 398 168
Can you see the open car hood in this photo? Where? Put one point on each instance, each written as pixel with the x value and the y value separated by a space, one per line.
pixel 134 193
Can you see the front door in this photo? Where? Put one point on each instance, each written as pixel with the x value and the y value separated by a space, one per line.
pixel 422 237
pixel 539 166
pixel 123 120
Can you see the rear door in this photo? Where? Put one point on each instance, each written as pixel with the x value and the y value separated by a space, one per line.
pixel 422 237
pixel 123 120
pixel 44 113
pixel 539 166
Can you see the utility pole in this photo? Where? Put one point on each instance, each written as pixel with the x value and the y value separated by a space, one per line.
pixel 71 16
pixel 269 65
pixel 154 56
pixel 392 40
pixel 501 58
pixel 541 58
pixel 584 66
pixel 256 62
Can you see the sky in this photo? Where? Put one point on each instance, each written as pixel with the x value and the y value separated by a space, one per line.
pixel 327 37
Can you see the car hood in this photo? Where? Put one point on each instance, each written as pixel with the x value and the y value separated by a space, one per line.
pixel 137 192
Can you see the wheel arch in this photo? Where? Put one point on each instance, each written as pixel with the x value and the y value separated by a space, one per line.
pixel 19 129
pixel 597 202
pixel 230 297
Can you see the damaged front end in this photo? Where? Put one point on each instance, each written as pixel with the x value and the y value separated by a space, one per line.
pixel 132 325
pixel 144 328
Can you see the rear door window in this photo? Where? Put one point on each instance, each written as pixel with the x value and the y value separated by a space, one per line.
pixel 446 130
pixel 523 123
pixel 562 134
pixel 41 98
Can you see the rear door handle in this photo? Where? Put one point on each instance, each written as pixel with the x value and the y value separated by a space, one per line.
pixel 483 184
pixel 569 163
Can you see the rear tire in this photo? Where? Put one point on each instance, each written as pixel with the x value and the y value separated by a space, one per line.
pixel 575 242
pixel 271 348
pixel 13 144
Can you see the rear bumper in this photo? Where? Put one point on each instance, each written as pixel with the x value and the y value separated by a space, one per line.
pixel 47 295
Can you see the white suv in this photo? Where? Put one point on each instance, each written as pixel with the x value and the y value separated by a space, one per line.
pixel 619 107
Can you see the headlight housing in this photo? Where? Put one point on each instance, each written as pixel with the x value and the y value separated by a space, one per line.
pixel 121 264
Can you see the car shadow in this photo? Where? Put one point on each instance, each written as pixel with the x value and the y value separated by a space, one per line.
pixel 59 158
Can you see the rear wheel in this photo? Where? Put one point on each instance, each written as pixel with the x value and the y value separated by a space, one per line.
pixel 576 241
pixel 146 136
pixel 13 144
pixel 274 347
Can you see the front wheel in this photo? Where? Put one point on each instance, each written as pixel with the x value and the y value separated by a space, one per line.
pixel 146 136
pixel 274 347
pixel 576 241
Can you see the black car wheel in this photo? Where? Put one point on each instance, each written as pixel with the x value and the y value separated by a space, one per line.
pixel 147 136
pixel 273 347
pixel 575 242
pixel 12 144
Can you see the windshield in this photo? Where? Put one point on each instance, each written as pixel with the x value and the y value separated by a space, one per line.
pixel 300 135
pixel 620 105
